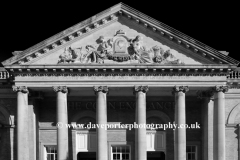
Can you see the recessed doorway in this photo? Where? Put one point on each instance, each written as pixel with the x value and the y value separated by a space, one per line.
pixel 158 155
pixel 86 156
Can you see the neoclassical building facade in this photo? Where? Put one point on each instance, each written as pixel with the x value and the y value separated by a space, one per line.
pixel 120 68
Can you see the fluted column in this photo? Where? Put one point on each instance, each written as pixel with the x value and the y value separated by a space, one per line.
pixel 219 122
pixel 62 117
pixel 101 108
pixel 207 116
pixel 140 133
pixel 22 122
pixel 180 119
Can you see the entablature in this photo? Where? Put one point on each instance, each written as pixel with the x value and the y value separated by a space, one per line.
pixel 119 75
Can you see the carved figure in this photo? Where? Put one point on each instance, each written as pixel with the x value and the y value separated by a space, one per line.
pixel 66 56
pixel 70 55
pixel 139 52
pixel 158 54
pixel 98 55
pixel 105 46
pixel 89 56
pixel 94 56
pixel 119 48
pixel 164 57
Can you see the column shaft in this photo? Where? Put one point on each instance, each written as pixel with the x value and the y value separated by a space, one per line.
pixel 219 126
pixel 101 108
pixel 62 117
pixel 180 120
pixel 141 131
pixel 180 133
pixel 136 131
pixel 32 129
pixel 22 126
pixel 208 129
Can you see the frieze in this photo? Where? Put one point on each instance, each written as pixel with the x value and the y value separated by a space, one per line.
pixel 119 48
pixel 121 105
pixel 111 74
pixel 114 76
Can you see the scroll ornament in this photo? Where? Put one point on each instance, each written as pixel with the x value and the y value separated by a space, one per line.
pixel 22 89
pixel 62 89
pixel 183 89
pixel 103 89
pixel 220 89
pixel 143 89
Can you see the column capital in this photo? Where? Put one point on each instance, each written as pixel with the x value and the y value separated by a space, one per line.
pixel 103 89
pixel 205 94
pixel 22 89
pixel 143 89
pixel 183 89
pixel 62 89
pixel 220 89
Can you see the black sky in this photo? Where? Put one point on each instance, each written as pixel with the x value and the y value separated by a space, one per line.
pixel 24 24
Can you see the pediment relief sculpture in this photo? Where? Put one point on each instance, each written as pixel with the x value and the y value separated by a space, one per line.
pixel 118 49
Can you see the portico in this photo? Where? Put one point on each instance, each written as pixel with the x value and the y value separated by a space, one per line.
pixel 141 144
pixel 121 67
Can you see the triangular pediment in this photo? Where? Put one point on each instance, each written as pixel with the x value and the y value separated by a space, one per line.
pixel 120 35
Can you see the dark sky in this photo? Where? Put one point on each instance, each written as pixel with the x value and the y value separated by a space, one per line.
pixel 26 24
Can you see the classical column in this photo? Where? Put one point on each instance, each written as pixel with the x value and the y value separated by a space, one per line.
pixel 101 108
pixel 219 122
pixel 207 116
pixel 180 120
pixel 140 132
pixel 22 122
pixel 62 117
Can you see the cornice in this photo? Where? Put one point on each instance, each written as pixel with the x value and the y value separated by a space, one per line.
pixel 92 24
pixel 220 70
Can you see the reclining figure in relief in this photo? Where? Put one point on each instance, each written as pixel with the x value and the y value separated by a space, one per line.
pixel 89 54
pixel 155 55
pixel 139 52
pixel 104 51
pixel 164 57
pixel 70 55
